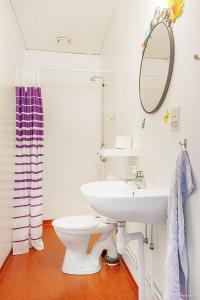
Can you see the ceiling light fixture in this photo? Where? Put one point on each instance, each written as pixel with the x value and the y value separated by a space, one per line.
pixel 63 39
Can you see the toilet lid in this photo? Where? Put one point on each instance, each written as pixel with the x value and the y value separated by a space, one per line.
pixel 77 222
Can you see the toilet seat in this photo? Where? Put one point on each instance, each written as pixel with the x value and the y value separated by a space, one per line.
pixel 76 222
pixel 81 224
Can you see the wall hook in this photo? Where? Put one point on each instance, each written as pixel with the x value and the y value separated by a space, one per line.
pixel 184 144
pixel 197 57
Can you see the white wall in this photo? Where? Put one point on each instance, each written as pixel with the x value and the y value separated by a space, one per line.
pixel 158 146
pixel 11 55
pixel 72 129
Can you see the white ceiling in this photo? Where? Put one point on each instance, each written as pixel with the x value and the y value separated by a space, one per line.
pixel 86 22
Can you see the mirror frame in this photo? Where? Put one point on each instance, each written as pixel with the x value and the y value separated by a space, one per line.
pixel 171 65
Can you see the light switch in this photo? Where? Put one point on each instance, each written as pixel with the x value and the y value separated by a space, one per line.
pixel 175 118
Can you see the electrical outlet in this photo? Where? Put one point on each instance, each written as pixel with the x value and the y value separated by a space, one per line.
pixel 175 118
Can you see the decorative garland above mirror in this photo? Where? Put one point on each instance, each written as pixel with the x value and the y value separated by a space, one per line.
pixel 163 16
pixel 167 15
pixel 176 9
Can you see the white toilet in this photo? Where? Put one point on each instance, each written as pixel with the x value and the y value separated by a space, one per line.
pixel 75 232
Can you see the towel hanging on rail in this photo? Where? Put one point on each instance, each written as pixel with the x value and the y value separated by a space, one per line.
pixel 176 266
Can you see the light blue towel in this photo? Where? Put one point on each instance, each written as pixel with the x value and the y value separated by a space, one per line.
pixel 176 267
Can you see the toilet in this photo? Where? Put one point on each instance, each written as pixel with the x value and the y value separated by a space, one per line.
pixel 75 233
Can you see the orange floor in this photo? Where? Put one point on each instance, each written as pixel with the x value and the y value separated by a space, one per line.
pixel 37 276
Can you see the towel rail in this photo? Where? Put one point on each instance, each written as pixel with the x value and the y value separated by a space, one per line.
pixel 184 144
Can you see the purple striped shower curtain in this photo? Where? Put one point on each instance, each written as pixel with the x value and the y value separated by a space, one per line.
pixel 28 199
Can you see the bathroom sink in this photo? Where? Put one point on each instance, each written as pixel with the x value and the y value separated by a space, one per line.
pixel 119 201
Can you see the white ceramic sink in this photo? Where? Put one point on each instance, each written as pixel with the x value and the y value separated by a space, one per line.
pixel 121 202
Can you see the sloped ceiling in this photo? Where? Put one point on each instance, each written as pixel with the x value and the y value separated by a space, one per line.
pixel 86 22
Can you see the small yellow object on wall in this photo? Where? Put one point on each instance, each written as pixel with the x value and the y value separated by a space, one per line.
pixel 166 117
pixel 176 9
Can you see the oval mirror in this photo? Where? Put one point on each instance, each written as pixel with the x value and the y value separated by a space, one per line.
pixel 156 67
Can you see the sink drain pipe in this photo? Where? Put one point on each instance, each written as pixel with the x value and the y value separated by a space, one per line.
pixel 122 240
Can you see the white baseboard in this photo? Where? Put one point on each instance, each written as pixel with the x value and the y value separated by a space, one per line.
pixel 151 293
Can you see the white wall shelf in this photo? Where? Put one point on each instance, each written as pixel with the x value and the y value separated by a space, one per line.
pixel 113 152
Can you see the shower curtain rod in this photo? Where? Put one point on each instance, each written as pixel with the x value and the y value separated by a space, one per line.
pixel 64 69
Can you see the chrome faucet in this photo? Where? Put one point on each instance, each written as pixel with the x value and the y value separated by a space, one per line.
pixel 138 180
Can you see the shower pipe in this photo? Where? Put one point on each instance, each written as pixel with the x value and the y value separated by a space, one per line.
pixel 65 69
pixel 94 78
